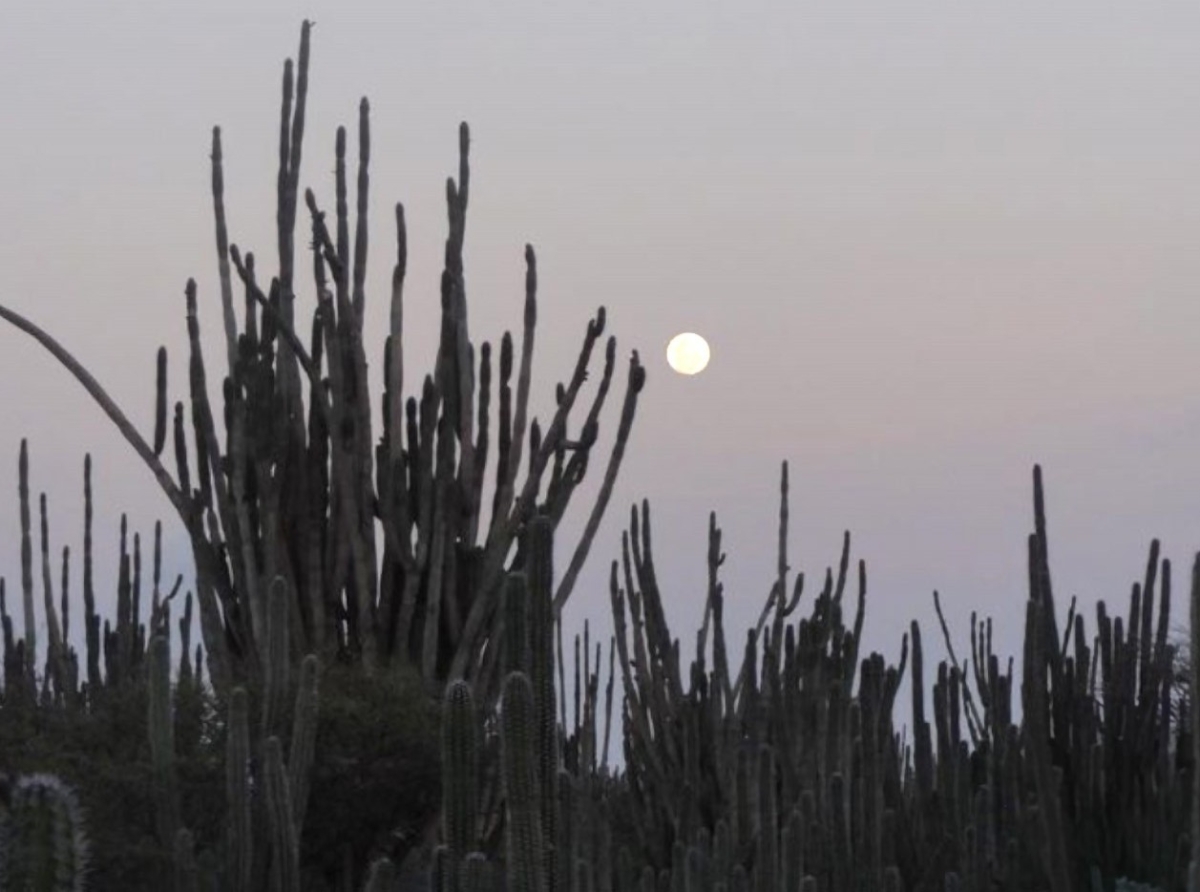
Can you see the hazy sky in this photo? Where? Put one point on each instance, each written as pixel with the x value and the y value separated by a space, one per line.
pixel 930 244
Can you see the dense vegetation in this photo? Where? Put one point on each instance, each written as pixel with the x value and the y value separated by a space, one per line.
pixel 379 697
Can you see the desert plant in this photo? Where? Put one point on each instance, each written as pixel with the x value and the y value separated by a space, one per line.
pixel 304 493
pixel 266 796
pixel 790 768
pixel 383 562
pixel 43 842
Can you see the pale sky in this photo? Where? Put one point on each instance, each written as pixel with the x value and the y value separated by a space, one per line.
pixel 929 243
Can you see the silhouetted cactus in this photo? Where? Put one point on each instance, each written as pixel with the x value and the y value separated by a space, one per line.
pixel 277 791
pixel 161 725
pixel 315 540
pixel 973 800
pixel 307 494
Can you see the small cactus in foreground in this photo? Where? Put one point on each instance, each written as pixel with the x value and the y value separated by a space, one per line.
pixel 43 847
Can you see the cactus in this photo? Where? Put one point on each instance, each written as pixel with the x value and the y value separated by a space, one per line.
pixel 254 850
pixel 285 849
pixel 161 724
pixel 539 555
pixel 43 842
pixel 313 536
pixel 460 769
pixel 239 836
pixel 526 861
pixel 304 736
pixel 516 624
pixel 381 877
pixel 187 874
pixel 381 543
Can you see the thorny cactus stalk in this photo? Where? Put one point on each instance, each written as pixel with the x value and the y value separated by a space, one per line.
pixel 297 486
pixel 527 844
pixel 460 772
pixel 43 845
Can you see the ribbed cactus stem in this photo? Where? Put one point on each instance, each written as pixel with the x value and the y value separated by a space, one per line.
pixel 1194 711
pixel 285 861
pixel 441 870
pixel 767 862
pixel 518 736
pixel 304 736
pixel 476 873
pixel 162 739
pixel 239 841
pixel 460 769
pixel 539 557
pixel 187 877
pixel 566 839
pixel 516 624
pixel 47 848
pixel 276 671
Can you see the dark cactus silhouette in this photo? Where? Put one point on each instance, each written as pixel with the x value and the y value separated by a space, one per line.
pixel 297 487
pixel 386 702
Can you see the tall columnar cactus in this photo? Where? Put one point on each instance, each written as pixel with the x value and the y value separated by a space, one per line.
pixel 460 774
pixel 239 825
pixel 285 847
pixel 516 624
pixel 380 540
pixel 161 725
pixel 310 535
pixel 539 571
pixel 527 843
pixel 302 750
pixel 187 874
pixel 266 797
pixel 972 799
pixel 43 843
pixel 277 668
pixel 115 654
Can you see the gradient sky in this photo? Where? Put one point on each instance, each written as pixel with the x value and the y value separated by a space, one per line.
pixel 929 243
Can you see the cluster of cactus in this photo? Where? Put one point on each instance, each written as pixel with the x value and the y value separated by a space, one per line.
pixel 43 843
pixel 266 799
pixel 314 544
pixel 788 772
pixel 266 796
pixel 391 549
pixel 789 775
pixel 115 653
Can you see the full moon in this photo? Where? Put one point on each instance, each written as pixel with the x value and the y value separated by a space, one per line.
pixel 688 353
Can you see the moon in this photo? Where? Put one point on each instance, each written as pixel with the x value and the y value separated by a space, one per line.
pixel 688 353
